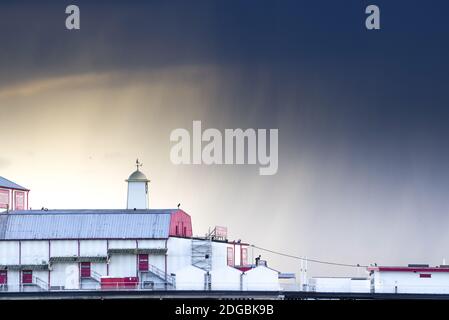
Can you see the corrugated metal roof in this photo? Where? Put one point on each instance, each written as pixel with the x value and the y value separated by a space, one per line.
pixel 5 183
pixel 85 224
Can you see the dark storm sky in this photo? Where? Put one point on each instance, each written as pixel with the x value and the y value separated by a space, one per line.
pixel 363 113
pixel 389 86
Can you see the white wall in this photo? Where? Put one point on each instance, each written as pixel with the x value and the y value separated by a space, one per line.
pixel 219 255
pixel 410 282
pixel 261 278
pixel 34 252
pixel 360 286
pixel 100 267
pixel 137 196
pixel 64 248
pixel 122 244
pixel 190 278
pixel 91 248
pixel 9 252
pixel 123 265
pixel 225 278
pixel 179 254
pixel 40 274
pixel 14 280
pixel 151 244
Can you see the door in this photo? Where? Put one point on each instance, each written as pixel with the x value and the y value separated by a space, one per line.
pixel 3 277
pixel 143 262
pixel 27 276
pixel 85 269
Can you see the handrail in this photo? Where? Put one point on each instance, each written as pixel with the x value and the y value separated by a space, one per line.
pixel 40 283
pixel 161 274
pixel 95 275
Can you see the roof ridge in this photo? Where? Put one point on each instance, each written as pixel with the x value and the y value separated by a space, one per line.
pixel 91 211
pixel 12 184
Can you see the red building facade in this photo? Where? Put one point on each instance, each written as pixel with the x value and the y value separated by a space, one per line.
pixel 12 195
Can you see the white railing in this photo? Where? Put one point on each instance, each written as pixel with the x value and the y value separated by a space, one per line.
pixel 161 274
pixel 40 283
pixel 95 275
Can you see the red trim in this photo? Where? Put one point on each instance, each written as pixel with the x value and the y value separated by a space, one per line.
pixel 8 188
pixel 243 269
pixel 107 262
pixel 49 255
pixel 7 204
pixel 143 262
pixel 137 259
pixel 86 239
pixel 3 277
pixel 166 259
pixel 20 261
pixel 19 205
pixel 180 224
pixel 86 268
pixel 27 276
pixel 230 256
pixel 244 262
pixel 408 269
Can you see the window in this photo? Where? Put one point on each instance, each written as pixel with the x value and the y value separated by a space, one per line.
pixel 230 257
pixel 3 277
pixel 27 276
pixel 19 200
pixel 425 275
pixel 85 269
pixel 244 261
pixel 177 230
pixel 143 262
pixel 4 199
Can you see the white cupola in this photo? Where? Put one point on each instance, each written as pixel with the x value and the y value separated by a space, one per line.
pixel 137 189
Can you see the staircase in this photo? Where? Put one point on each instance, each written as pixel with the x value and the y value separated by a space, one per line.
pixel 166 278
pixel 95 276
pixel 202 253
pixel 40 283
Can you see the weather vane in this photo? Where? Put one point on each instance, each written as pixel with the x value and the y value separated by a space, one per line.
pixel 138 164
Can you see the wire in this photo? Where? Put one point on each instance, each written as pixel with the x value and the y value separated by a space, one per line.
pixel 311 260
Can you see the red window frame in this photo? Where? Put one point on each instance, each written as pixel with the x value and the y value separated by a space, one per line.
pixel 3 277
pixel 143 262
pixel 27 276
pixel 4 194
pixel 85 269
pixel 230 256
pixel 19 205
pixel 244 261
